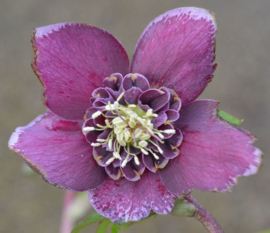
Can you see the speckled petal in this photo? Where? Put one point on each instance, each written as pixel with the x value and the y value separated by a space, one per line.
pixel 57 150
pixel 176 50
pixel 122 200
pixel 213 152
pixel 71 61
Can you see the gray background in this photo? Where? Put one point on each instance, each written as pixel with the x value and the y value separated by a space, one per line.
pixel 241 84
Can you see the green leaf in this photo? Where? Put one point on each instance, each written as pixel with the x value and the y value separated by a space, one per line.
pixel 102 227
pixel 183 208
pixel 227 117
pixel 94 218
pixel 124 226
pixel 114 228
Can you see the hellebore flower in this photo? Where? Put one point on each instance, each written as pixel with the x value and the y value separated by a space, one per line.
pixel 133 136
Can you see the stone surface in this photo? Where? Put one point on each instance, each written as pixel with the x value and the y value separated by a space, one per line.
pixel 241 84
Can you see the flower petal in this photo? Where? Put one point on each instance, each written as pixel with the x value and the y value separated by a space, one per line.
pixel 57 150
pixel 213 152
pixel 122 200
pixel 135 80
pixel 176 50
pixel 71 61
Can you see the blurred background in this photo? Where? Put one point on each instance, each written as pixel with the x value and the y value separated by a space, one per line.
pixel 241 84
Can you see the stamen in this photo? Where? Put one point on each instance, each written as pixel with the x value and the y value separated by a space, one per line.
pixel 160 135
pixel 88 129
pixel 95 144
pixel 132 123
pixel 159 149
pixel 110 144
pixel 110 160
pixel 132 106
pixel 155 155
pixel 115 104
pixel 101 140
pixel 96 114
pixel 169 131
pixel 108 123
pixel 144 151
pixel 143 143
pixel 116 155
pixel 120 96
pixel 136 160
pixel 124 163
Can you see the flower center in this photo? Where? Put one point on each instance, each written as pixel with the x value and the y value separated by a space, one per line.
pixel 130 127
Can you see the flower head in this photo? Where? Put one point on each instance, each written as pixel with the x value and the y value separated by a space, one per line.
pixel 133 136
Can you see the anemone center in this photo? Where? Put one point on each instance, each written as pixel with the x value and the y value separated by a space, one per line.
pixel 130 127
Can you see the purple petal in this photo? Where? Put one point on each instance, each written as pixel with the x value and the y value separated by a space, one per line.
pixel 90 112
pixel 213 152
pixel 153 164
pixel 113 82
pixel 132 95
pixel 168 151
pixel 149 162
pixel 122 200
pixel 57 150
pixel 160 119
pixel 176 138
pixel 101 93
pixel 101 155
pixel 154 99
pixel 176 50
pixel 175 102
pixel 92 135
pixel 135 80
pixel 113 172
pixel 165 127
pixel 172 115
pixel 141 167
pixel 130 172
pixel 71 61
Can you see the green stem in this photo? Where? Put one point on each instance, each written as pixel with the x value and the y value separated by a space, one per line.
pixel 204 216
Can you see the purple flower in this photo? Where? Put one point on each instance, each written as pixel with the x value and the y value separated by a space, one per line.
pixel 133 136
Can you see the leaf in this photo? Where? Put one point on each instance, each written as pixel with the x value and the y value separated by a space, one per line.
pixel 183 208
pixel 118 228
pixel 102 227
pixel 124 226
pixel 114 228
pixel 227 117
pixel 94 218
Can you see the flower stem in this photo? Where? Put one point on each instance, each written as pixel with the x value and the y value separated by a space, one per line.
pixel 66 223
pixel 204 216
